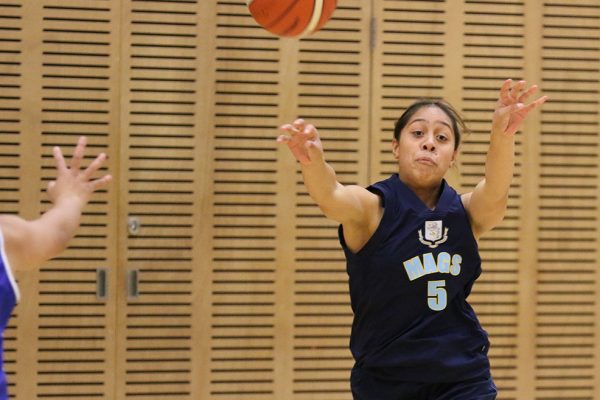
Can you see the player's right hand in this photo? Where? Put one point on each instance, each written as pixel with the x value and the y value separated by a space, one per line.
pixel 303 141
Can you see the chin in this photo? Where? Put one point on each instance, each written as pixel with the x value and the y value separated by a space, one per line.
pixel 421 178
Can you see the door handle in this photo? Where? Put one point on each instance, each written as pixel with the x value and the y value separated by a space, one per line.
pixel 133 291
pixel 101 284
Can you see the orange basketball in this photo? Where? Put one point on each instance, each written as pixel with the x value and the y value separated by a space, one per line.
pixel 291 17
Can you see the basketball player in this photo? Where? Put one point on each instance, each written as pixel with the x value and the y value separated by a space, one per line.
pixel 28 244
pixel 411 249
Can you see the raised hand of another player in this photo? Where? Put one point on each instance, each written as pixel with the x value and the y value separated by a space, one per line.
pixel 72 183
pixel 303 141
pixel 511 109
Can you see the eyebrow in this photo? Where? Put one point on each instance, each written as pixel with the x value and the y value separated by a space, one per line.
pixel 438 121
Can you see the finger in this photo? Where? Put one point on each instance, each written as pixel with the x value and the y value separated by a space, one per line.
pixel 283 139
pixel 523 98
pixel 94 166
pixel 51 185
pixel 290 129
pixel 77 157
pixel 515 91
pixel 505 92
pixel 535 104
pixel 299 124
pixel 101 183
pixel 310 131
pixel 59 160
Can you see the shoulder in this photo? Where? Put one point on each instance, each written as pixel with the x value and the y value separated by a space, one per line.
pixel 465 198
pixel 16 236
pixel 369 201
pixel 13 228
pixel 385 189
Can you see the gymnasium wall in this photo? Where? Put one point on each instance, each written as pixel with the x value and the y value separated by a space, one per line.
pixel 205 271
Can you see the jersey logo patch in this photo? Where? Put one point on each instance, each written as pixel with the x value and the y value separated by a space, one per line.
pixel 433 234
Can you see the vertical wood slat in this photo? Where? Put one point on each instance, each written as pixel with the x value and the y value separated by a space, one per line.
pixel 11 59
pixel 203 246
pixel 30 199
pixel 159 75
pixel 493 36
pixel 567 297
pixel 332 82
pixel 78 97
pixel 283 371
pixel 243 265
pixel 528 252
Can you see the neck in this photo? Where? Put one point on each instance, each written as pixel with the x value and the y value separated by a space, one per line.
pixel 428 194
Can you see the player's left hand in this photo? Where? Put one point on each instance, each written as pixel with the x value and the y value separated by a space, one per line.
pixel 73 183
pixel 511 109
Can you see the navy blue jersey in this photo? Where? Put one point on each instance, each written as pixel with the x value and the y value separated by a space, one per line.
pixel 9 295
pixel 408 288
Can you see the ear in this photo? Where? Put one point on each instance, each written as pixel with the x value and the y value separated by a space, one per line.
pixel 395 148
pixel 453 159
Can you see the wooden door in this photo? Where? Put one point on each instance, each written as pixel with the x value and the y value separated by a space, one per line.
pixel 159 191
pixel 58 70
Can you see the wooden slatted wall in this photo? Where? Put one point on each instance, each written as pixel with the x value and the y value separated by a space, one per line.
pixel 332 81
pixel 493 50
pixel 11 106
pixel 567 297
pixel 241 282
pixel 408 63
pixel 244 217
pixel 78 96
pixel 157 184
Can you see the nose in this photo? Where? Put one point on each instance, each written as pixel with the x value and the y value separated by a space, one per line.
pixel 428 143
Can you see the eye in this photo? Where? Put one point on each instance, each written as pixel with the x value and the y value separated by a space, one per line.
pixel 418 133
pixel 442 138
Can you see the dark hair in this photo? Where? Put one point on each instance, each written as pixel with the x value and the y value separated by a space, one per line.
pixel 458 124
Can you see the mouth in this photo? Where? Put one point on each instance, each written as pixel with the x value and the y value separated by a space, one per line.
pixel 426 160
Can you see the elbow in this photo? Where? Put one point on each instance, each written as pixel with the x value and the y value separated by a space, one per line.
pixel 58 245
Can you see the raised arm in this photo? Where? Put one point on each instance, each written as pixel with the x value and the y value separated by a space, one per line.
pixel 357 209
pixel 30 243
pixel 486 205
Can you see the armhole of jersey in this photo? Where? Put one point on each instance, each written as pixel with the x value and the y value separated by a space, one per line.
pixel 8 270
pixel 372 242
pixel 466 214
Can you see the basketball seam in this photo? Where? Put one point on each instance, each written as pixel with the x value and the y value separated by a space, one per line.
pixel 283 14
pixel 318 6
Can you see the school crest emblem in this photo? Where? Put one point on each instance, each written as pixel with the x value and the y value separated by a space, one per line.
pixel 434 234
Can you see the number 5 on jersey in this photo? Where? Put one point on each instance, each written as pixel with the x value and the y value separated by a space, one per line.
pixel 437 297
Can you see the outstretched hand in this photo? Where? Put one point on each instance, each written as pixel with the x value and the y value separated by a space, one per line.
pixel 72 182
pixel 303 141
pixel 511 109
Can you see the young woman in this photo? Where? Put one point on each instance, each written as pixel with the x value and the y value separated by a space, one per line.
pixel 28 244
pixel 411 249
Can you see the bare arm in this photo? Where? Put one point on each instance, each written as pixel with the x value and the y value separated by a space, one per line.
pixel 357 209
pixel 31 243
pixel 486 205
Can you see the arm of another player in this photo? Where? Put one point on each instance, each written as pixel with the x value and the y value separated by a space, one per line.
pixel 349 205
pixel 486 205
pixel 30 243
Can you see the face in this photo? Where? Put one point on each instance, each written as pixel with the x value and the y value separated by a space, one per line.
pixel 425 149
